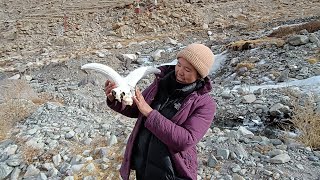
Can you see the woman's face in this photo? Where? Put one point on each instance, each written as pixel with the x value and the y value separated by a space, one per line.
pixel 185 72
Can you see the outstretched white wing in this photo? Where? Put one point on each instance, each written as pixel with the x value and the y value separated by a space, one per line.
pixel 134 77
pixel 172 63
pixel 106 71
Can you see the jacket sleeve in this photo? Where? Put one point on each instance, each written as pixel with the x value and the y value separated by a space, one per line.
pixel 180 137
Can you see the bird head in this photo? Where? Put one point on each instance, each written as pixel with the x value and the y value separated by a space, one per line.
pixel 123 95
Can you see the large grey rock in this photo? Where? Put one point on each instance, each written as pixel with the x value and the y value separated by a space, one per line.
pixel 297 40
pixel 5 170
pixel 31 171
pixel 280 159
pixel 14 160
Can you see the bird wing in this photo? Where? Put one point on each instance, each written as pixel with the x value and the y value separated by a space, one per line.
pixel 134 77
pixel 107 71
pixel 172 63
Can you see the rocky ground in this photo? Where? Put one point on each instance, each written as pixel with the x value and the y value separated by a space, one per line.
pixel 67 131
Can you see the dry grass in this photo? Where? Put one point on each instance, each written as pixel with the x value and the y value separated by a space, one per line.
pixel 287 30
pixel 315 59
pixel 46 97
pixel 17 102
pixel 312 60
pixel 249 44
pixel 307 121
pixel 12 112
pixel 114 154
pixel 248 65
pixel 14 108
pixel 30 154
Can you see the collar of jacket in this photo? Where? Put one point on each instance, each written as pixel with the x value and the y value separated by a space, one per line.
pixel 207 82
pixel 171 87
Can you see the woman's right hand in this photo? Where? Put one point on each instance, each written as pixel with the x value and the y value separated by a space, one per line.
pixel 109 85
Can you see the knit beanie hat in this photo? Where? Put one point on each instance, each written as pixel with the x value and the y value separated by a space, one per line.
pixel 200 56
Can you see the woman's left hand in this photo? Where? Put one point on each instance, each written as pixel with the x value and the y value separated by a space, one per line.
pixel 141 103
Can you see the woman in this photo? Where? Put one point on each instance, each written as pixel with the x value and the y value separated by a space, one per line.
pixel 173 113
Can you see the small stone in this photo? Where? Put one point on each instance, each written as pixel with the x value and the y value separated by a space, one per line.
pixel 118 45
pixel 224 153
pixel 28 78
pixel 205 26
pixel 250 98
pixel 157 54
pixel 313 158
pixel 235 168
pixel 69 178
pixel 70 134
pixel 10 150
pixel 300 166
pixel 90 167
pixel 31 171
pixel 77 168
pixel 244 131
pixel 56 160
pixel 15 173
pixel 212 161
pixel 32 131
pixel 112 140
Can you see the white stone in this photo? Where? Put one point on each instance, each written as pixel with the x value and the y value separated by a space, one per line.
pixel 15 173
pixel 281 158
pixel 77 168
pixel 70 134
pixel 118 45
pixel 244 131
pixel 157 54
pixel 56 160
pixel 205 26
pixel 171 41
pixel 250 98
pixel 15 77
pixel 69 178
pixel 132 57
pixel 300 166
pixel 90 167
pixel 10 150
pixel 112 140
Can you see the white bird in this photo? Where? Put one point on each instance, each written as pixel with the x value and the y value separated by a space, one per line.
pixel 125 85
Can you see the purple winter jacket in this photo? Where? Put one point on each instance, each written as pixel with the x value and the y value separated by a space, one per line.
pixel 180 134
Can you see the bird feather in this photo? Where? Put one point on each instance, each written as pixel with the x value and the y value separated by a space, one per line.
pixel 134 77
pixel 107 71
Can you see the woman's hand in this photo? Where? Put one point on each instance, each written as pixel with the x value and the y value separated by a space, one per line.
pixel 142 105
pixel 109 85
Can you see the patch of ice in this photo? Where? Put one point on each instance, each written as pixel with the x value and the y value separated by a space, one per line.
pixel 310 85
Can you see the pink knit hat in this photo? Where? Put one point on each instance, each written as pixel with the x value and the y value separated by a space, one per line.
pixel 200 56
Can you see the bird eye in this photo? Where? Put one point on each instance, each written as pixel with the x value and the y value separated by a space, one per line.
pixel 113 93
